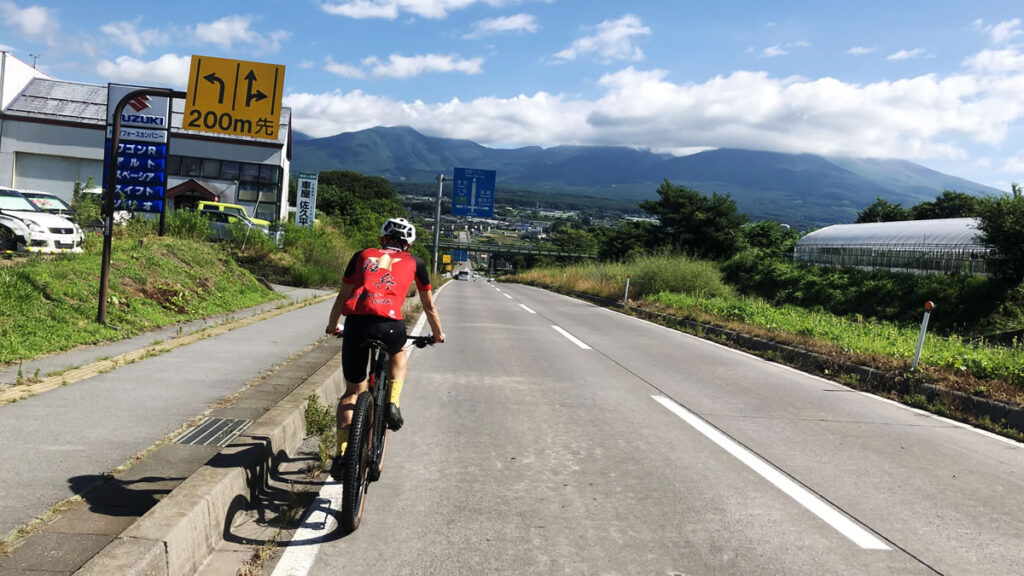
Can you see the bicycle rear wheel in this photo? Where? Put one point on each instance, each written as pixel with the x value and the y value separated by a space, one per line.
pixel 381 397
pixel 356 463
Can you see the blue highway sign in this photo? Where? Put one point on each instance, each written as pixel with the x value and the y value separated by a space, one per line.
pixel 473 193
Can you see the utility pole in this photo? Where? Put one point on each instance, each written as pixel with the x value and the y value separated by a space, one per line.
pixel 35 57
pixel 437 218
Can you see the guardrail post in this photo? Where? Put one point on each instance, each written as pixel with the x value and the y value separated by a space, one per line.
pixel 625 299
pixel 924 328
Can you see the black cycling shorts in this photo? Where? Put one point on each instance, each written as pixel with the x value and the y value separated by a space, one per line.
pixel 355 356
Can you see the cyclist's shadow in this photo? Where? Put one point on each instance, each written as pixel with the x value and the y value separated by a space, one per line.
pixel 110 496
pixel 273 503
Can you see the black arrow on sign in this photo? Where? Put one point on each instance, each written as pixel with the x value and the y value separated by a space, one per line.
pixel 212 78
pixel 249 95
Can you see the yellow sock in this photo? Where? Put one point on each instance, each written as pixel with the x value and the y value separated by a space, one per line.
pixel 342 441
pixel 396 390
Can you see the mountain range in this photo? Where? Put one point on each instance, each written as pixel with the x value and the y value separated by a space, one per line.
pixel 802 190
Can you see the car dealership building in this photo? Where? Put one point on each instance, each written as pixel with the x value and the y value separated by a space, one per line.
pixel 52 136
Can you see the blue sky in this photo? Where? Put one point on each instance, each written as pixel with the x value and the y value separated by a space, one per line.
pixel 938 82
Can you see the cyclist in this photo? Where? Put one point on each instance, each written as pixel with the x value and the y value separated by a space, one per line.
pixel 373 290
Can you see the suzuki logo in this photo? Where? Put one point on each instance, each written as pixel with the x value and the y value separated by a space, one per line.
pixel 139 103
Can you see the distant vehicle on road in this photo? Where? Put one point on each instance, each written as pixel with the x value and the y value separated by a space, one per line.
pixel 24 227
pixel 462 275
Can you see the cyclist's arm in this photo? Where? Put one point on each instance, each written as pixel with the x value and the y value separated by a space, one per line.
pixel 427 299
pixel 339 302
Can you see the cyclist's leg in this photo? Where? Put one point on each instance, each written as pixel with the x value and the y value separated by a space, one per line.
pixel 354 356
pixel 392 334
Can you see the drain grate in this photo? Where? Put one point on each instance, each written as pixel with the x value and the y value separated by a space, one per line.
pixel 214 432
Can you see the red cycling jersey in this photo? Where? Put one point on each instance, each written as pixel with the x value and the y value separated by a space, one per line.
pixel 381 277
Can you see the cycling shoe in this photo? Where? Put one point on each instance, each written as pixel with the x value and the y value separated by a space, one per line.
pixel 394 417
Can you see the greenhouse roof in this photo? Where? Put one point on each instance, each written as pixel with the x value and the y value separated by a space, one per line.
pixel 946 231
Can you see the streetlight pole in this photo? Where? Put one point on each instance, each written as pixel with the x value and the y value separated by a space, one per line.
pixel 437 219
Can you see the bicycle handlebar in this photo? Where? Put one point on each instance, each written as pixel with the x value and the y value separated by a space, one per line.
pixel 418 341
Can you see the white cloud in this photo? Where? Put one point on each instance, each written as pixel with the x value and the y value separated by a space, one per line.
pixel 237 29
pixel 1001 32
pixel 343 70
pixel 613 40
pixel 399 66
pixel 168 70
pixel 517 23
pixel 928 117
pixel 307 64
pixel 773 51
pixel 906 54
pixel 860 50
pixel 363 9
pixel 390 9
pixel 34 22
pixel 1014 163
pixel 996 61
pixel 128 34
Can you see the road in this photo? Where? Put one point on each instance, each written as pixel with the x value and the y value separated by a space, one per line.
pixel 609 445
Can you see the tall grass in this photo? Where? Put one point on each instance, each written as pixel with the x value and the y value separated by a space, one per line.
pixel 649 275
pixel 860 337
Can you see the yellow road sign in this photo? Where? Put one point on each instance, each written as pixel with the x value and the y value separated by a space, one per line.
pixel 447 259
pixel 233 97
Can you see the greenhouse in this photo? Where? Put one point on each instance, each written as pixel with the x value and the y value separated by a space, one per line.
pixel 943 246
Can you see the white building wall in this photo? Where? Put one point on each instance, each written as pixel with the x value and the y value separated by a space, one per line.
pixel 16 75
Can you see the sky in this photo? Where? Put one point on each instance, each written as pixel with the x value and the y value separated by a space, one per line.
pixel 937 82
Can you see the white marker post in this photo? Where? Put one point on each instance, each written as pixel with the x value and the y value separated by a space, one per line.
pixel 625 299
pixel 924 328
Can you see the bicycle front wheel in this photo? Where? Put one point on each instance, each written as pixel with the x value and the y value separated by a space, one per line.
pixel 356 463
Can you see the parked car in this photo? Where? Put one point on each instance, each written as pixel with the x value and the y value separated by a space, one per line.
pixel 220 224
pixel 24 227
pixel 50 203
pixel 231 209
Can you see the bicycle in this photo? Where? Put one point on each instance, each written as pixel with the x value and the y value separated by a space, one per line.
pixel 368 434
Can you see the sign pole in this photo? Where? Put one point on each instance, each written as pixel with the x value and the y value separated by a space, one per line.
pixel 437 219
pixel 110 192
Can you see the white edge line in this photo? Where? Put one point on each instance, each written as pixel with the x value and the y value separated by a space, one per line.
pixel 943 419
pixel 812 503
pixel 507 296
pixel 524 307
pixel 571 338
pixel 316 524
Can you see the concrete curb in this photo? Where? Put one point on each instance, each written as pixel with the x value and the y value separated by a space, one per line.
pixel 176 536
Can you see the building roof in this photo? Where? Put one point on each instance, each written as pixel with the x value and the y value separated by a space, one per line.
pixel 945 231
pixel 57 100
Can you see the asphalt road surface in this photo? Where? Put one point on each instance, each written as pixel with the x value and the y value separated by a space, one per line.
pixel 550 436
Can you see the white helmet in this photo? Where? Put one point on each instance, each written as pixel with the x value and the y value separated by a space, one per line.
pixel 399 229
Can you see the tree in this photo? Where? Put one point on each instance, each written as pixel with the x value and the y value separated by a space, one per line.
pixel 631 239
pixel 575 241
pixel 707 227
pixel 883 211
pixel 949 204
pixel 1001 221
pixel 770 235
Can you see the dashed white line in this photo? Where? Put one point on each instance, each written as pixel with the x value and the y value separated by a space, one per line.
pixel 507 296
pixel 524 307
pixel 804 497
pixel 571 338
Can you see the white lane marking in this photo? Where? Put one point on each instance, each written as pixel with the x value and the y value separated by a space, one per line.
pixel 943 419
pixel 507 296
pixel 318 522
pixel 571 338
pixel 523 306
pixel 815 505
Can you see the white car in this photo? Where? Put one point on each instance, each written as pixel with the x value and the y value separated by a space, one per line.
pixel 24 227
